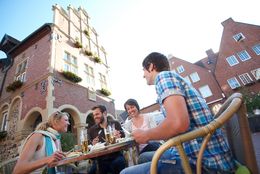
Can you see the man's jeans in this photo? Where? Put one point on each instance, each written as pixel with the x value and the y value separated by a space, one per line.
pixel 165 165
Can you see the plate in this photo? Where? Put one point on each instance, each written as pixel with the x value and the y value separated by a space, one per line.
pixel 97 147
pixel 119 144
pixel 73 154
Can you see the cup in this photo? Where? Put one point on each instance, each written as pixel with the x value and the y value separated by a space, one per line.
pixel 110 138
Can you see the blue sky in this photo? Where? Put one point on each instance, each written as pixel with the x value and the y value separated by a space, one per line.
pixel 131 29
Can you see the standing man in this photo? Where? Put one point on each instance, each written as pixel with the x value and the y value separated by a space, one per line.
pixel 184 110
pixel 114 162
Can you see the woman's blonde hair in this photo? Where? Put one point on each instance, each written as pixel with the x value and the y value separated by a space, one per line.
pixel 53 118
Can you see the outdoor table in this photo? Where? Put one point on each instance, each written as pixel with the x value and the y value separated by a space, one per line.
pixel 101 152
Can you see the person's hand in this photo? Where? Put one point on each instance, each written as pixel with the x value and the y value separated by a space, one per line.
pixel 117 134
pixel 95 140
pixel 140 136
pixel 54 158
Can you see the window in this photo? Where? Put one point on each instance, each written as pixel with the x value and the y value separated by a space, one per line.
pixel 4 121
pixel 103 81
pixel 90 75
pixel 256 49
pixel 238 37
pixel 243 55
pixel 232 60
pixel 187 79
pixel 205 91
pixel 180 69
pixel 245 78
pixel 233 83
pixel 194 77
pixel 256 73
pixel 21 71
pixel 70 63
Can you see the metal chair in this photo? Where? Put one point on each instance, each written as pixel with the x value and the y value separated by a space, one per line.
pixel 233 106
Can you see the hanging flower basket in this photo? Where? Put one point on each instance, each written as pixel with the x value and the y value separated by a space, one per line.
pixel 105 92
pixel 13 86
pixel 71 76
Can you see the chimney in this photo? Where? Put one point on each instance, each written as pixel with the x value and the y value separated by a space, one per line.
pixel 228 21
pixel 210 55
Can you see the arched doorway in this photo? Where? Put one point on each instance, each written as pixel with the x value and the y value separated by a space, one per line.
pixel 32 122
pixel 69 139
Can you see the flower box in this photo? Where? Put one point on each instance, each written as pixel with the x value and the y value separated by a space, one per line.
pixel 88 53
pixel 13 86
pixel 86 32
pixel 97 59
pixel 71 76
pixel 78 44
pixel 105 92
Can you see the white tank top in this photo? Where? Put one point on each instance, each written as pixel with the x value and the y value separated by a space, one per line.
pixel 144 126
pixel 42 153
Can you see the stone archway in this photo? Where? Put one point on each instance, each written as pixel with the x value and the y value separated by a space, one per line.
pixel 69 139
pixel 31 122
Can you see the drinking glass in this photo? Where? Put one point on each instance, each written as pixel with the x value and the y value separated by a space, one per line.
pixel 110 138
pixel 84 142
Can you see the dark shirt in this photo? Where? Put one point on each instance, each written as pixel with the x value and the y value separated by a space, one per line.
pixel 96 130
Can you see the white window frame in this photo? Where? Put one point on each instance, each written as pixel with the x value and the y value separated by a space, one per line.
pixel 256 49
pixel 232 60
pixel 70 63
pixel 205 91
pixel 233 83
pixel 243 55
pixel 21 70
pixel 239 37
pixel 256 73
pixel 103 81
pixel 245 78
pixel 195 77
pixel 4 125
pixel 90 76
pixel 180 69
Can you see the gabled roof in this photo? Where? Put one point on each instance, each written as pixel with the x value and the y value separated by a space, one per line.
pixel 7 43
pixel 10 44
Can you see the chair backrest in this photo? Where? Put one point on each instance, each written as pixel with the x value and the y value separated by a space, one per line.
pixel 232 106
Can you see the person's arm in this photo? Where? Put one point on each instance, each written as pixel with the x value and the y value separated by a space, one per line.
pixel 25 164
pixel 176 121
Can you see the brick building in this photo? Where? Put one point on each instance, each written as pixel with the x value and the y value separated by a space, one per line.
pixel 69 44
pixel 235 66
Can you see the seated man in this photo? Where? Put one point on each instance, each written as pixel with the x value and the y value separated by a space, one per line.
pixel 111 163
pixel 184 110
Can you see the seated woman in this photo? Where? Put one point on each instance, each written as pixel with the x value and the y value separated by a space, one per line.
pixel 42 148
pixel 139 121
